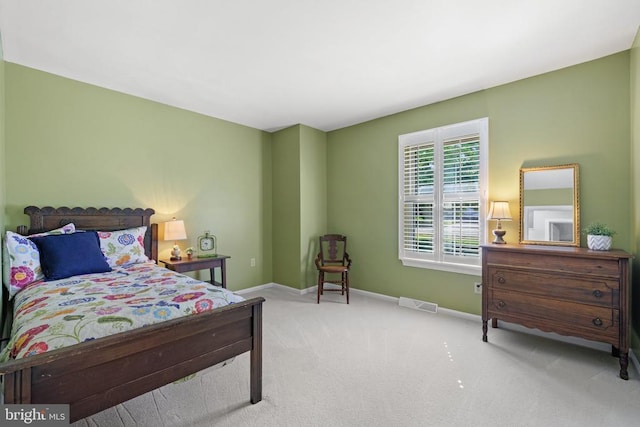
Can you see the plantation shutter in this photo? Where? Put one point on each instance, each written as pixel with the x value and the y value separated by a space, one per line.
pixel 419 198
pixel 461 197
pixel 441 187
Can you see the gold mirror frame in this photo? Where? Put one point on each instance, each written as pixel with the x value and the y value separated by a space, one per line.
pixel 547 204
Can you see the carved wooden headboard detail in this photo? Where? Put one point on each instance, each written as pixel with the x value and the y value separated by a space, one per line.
pixel 103 219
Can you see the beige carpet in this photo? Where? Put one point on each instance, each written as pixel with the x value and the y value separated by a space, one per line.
pixel 373 363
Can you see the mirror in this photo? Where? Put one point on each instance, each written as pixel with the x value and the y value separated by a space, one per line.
pixel 549 205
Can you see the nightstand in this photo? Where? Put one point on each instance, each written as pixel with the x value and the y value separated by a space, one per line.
pixel 195 264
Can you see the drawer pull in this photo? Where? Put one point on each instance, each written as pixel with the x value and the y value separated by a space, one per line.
pixel 501 280
pixel 501 304
pixel 597 321
pixel 597 293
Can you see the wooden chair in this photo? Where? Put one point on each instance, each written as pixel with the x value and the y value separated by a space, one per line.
pixel 333 259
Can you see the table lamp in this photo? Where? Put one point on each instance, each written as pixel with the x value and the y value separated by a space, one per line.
pixel 174 230
pixel 500 212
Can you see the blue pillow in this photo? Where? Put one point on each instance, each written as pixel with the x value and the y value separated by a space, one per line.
pixel 77 253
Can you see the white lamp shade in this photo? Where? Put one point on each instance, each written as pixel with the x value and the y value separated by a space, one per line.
pixel 500 211
pixel 174 230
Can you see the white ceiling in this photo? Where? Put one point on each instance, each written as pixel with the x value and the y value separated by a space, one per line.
pixel 327 64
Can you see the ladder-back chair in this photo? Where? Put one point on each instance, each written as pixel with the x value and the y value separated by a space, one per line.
pixel 333 260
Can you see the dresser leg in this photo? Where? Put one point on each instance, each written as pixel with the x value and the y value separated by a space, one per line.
pixel 624 363
pixel 484 330
pixel 494 323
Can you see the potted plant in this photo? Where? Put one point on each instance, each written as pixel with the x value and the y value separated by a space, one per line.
pixel 189 251
pixel 599 236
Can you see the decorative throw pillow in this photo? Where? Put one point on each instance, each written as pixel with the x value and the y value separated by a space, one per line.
pixel 21 263
pixel 67 255
pixel 123 247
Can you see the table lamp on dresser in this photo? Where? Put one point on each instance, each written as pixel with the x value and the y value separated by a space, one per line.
pixel 499 211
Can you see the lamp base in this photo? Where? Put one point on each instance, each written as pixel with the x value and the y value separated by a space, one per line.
pixel 175 253
pixel 499 233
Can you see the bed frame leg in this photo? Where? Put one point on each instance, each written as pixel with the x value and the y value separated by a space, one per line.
pixel 256 355
pixel 17 387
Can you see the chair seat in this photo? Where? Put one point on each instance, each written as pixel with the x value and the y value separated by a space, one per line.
pixel 334 268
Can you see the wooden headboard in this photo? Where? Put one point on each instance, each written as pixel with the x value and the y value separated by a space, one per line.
pixel 103 219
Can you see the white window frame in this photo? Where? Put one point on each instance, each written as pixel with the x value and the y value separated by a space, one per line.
pixel 438 136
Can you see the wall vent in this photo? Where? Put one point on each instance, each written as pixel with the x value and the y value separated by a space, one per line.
pixel 418 305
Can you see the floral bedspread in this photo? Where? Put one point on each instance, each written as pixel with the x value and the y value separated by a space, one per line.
pixel 55 314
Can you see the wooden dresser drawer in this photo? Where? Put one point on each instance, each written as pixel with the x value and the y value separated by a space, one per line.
pixel 595 291
pixel 603 267
pixel 559 316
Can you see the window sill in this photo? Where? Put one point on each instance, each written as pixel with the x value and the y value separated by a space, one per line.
pixel 474 270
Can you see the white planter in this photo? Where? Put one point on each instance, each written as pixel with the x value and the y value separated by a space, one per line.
pixel 599 243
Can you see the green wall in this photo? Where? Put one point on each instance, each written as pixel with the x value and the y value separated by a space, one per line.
pixel 2 146
pixel 313 200
pixel 575 115
pixel 299 203
pixel 635 197
pixel 2 158
pixel 73 144
pixel 286 206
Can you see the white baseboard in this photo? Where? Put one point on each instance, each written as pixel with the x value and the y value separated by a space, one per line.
pixel 634 360
pixel 275 285
pixel 375 295
pixel 255 288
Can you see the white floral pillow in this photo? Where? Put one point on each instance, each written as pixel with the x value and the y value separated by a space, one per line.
pixel 123 247
pixel 21 264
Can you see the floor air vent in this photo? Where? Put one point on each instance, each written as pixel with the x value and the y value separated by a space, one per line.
pixel 418 305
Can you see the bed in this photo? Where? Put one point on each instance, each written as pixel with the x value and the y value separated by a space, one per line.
pixel 97 374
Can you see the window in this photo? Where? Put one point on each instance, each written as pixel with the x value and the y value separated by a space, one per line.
pixel 442 185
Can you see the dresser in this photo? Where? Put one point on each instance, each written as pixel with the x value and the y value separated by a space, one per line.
pixel 567 290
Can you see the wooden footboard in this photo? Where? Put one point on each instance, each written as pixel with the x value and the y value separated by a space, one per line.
pixel 96 375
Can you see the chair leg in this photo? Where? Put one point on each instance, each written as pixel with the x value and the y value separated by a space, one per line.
pixel 346 281
pixel 320 280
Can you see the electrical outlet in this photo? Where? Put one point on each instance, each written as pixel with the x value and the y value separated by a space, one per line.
pixel 253 262
pixel 477 287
